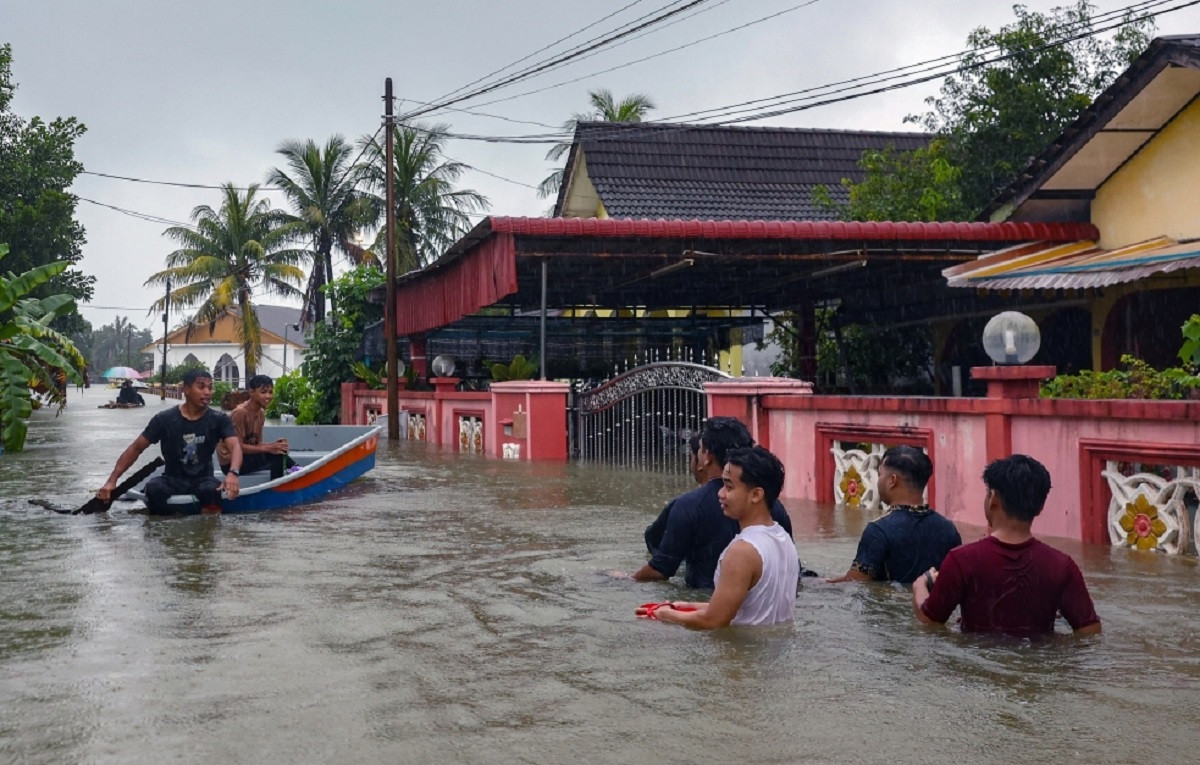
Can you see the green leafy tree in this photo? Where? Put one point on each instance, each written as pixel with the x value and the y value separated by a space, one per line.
pixel 37 214
pixel 431 214
pixel 605 108
pixel 116 344
pixel 991 119
pixel 33 355
pixel 335 345
pixel 321 186
pixel 239 249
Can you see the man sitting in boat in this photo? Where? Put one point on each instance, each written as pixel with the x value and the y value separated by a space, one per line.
pixel 130 396
pixel 188 435
pixel 248 419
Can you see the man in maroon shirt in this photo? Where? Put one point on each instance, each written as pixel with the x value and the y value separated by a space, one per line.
pixel 1008 582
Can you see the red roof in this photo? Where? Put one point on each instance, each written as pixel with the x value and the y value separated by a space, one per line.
pixel 1005 231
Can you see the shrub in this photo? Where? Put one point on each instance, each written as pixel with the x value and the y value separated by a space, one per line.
pixel 295 396
pixel 1134 378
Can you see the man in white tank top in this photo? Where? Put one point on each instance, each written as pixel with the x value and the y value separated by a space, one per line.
pixel 757 574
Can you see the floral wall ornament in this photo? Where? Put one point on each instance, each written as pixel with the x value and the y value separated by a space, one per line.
pixel 856 476
pixel 1149 511
pixel 1142 524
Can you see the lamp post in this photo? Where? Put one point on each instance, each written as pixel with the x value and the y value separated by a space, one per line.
pixel 286 327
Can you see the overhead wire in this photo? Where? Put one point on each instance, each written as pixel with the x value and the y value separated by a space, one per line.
pixel 623 130
pixel 542 49
pixel 654 55
pixel 561 59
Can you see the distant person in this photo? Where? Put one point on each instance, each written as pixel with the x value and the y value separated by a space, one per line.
pixel 912 538
pixel 1008 582
pixel 188 435
pixel 654 532
pixel 128 395
pixel 697 532
pixel 757 573
pixel 248 419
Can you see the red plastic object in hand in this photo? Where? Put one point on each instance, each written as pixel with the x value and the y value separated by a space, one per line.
pixel 650 608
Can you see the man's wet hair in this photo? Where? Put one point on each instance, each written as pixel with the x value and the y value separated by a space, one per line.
pixel 760 469
pixel 192 375
pixel 721 434
pixel 913 465
pixel 1022 484
pixel 694 444
pixel 259 381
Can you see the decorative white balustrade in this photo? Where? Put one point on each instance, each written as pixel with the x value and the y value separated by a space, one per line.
pixel 470 434
pixel 1149 511
pixel 856 476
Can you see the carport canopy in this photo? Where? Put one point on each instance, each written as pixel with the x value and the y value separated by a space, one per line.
pixel 672 264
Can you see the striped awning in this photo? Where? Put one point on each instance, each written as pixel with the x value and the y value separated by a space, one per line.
pixel 1074 265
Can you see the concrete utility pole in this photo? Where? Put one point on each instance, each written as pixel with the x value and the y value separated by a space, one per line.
pixel 389 308
pixel 162 381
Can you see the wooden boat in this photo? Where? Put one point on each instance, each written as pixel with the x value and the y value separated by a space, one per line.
pixel 329 457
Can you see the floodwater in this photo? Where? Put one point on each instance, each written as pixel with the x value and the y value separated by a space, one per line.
pixel 456 610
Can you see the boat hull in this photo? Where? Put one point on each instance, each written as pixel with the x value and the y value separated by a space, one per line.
pixel 322 472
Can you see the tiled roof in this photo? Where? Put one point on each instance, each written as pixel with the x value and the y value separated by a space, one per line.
pixel 649 170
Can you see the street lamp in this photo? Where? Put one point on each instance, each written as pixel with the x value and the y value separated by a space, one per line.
pixel 286 327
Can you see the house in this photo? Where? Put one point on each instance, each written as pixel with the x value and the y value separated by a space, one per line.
pixel 1130 166
pixel 217 345
pixel 713 172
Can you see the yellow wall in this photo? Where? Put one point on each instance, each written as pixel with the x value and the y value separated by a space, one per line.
pixel 1157 192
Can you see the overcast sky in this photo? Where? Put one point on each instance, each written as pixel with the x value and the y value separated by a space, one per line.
pixel 204 92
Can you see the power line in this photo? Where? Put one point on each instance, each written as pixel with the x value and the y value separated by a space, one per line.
pixel 654 55
pixel 174 183
pixel 909 69
pixel 542 49
pixel 560 60
pixel 837 94
pixel 139 215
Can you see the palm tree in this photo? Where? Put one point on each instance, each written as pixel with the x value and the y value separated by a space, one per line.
pixel 321 185
pixel 605 108
pixel 231 252
pixel 431 214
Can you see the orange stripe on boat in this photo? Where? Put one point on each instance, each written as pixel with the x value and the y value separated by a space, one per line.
pixel 337 464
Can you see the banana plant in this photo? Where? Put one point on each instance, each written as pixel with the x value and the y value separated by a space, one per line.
pixel 33 356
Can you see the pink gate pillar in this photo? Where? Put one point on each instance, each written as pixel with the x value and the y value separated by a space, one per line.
pixel 533 415
pixel 741 397
pixel 1007 385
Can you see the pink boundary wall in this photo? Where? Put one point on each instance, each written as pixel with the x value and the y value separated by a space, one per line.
pixel 1072 438
pixel 542 405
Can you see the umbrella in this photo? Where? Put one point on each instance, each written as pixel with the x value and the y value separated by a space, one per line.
pixel 128 373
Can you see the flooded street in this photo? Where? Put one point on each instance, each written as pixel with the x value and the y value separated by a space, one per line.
pixel 456 609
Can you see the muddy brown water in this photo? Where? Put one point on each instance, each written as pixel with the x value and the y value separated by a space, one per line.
pixel 455 609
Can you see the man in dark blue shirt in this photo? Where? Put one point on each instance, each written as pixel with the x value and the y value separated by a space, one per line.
pixel 697 530
pixel 911 538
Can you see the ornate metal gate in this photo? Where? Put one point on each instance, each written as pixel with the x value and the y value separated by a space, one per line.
pixel 642 418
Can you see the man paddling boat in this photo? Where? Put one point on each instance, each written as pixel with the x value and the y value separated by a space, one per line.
pixel 188 435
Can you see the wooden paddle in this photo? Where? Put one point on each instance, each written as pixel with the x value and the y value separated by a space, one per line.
pixel 97 505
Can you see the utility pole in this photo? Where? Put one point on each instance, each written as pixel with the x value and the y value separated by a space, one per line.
pixel 128 343
pixel 162 380
pixel 389 308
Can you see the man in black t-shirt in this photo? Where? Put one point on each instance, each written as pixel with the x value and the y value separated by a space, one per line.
pixel 912 537
pixel 188 435
pixel 697 531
